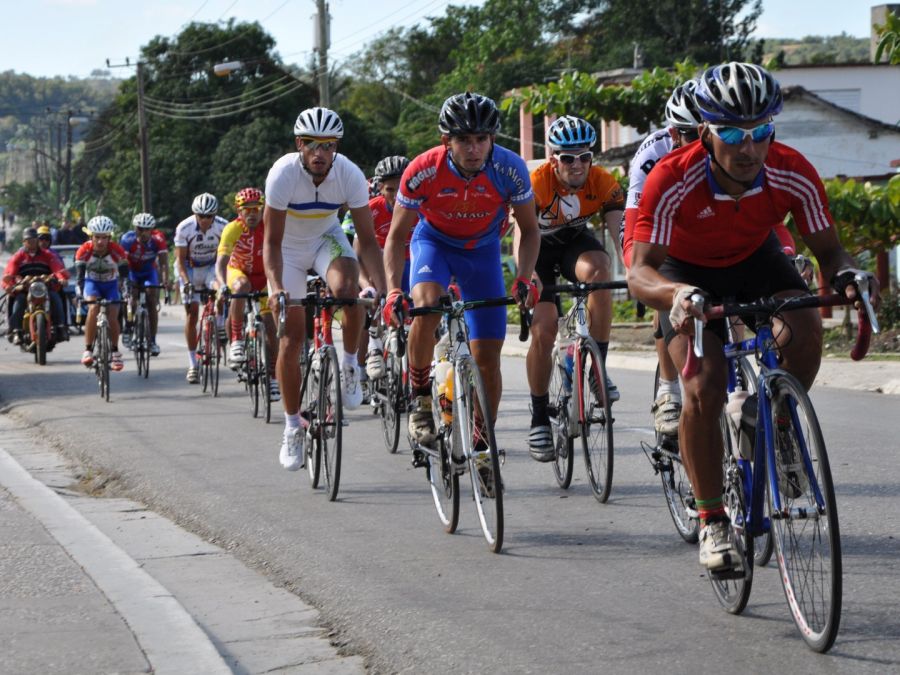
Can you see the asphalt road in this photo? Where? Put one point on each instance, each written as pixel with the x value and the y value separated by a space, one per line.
pixel 580 586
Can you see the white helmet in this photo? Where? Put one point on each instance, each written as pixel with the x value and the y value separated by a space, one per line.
pixel 681 108
pixel 144 221
pixel 319 123
pixel 100 225
pixel 205 205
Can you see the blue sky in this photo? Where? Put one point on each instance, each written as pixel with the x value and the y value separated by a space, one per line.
pixel 73 37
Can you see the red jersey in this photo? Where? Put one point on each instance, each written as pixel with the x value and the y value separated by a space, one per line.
pixel 714 229
pixel 381 216
pixel 25 264
pixel 101 267
pixel 464 212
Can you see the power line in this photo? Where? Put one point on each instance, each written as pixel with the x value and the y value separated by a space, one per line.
pixel 213 114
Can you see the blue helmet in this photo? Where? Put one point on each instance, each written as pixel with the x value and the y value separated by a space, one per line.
pixel 738 92
pixel 571 132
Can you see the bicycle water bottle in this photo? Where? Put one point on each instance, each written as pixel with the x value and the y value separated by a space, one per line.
pixel 569 363
pixel 740 444
pixel 443 378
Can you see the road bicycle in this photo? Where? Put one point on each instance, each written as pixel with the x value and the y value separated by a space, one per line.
pixel 785 468
pixel 579 403
pixel 102 345
pixel 210 349
pixel 140 325
pixel 389 394
pixel 255 371
pixel 321 407
pixel 464 439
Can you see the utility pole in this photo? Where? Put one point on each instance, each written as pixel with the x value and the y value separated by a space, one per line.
pixel 323 35
pixel 142 133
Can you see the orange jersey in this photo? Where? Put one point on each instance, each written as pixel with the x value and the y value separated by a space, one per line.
pixel 562 210
pixel 244 246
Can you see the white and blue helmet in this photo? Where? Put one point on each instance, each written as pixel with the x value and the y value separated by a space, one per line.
pixel 571 132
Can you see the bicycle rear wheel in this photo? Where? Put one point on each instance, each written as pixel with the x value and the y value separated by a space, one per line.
pixel 563 444
pixel 389 389
pixel 332 419
pixel 444 482
pixel 804 515
pixel 733 588
pixel 310 411
pixel 476 434
pixel 596 420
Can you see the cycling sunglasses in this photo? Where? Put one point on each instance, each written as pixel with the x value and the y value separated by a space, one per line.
pixel 315 143
pixel 568 158
pixel 736 135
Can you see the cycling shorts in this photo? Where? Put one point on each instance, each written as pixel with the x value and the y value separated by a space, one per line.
pixel 101 290
pixel 200 278
pixel 478 272
pixel 561 258
pixel 404 282
pixel 150 276
pixel 318 256
pixel 768 271
pixel 258 282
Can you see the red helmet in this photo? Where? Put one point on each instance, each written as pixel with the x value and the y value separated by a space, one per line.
pixel 247 197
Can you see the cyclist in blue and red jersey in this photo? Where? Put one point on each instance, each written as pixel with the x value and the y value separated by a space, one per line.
pixel 705 225
pixel 460 194
pixel 148 260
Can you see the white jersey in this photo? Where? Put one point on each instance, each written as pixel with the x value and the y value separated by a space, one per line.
pixel 655 146
pixel 201 246
pixel 312 210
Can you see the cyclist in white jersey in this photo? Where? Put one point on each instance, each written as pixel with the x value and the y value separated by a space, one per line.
pixel 196 242
pixel 304 191
pixel 682 118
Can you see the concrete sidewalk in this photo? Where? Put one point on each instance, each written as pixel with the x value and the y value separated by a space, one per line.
pixel 92 585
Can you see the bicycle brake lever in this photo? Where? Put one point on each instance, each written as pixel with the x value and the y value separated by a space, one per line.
pixel 862 283
pixel 698 302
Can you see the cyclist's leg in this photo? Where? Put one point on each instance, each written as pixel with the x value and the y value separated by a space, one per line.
pixel 238 283
pixel 91 292
pixel 287 366
pixel 666 406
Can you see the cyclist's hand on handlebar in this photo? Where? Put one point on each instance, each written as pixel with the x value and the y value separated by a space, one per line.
pixel 368 292
pixel 221 293
pixel 684 311
pixel 526 292
pixel 389 315
pixel 847 280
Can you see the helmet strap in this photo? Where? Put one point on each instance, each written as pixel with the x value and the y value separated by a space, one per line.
pixel 746 184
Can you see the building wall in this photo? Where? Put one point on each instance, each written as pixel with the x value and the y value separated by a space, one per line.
pixel 835 143
pixel 873 91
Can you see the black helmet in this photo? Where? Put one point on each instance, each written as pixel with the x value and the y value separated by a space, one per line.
pixel 469 114
pixel 29 233
pixel 391 167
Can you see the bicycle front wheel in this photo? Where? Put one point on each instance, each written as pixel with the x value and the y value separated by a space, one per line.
pixel 265 387
pixel 390 391
pixel 206 355
pixel 563 443
pixel 331 419
pixel 596 420
pixel 102 359
pixel 804 515
pixel 216 361
pixel 444 482
pixel 145 342
pixel 252 365
pixel 310 411
pixel 476 436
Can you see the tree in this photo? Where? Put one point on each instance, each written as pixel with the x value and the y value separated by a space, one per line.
pixel 889 42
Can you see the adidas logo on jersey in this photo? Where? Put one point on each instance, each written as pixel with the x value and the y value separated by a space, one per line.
pixel 424 269
pixel 707 212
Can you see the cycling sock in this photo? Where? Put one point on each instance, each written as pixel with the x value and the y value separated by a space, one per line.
pixel 710 509
pixel 539 416
pixel 291 421
pixel 420 381
pixel 669 387
pixel 349 359
pixel 604 349
pixel 192 357
pixel 237 327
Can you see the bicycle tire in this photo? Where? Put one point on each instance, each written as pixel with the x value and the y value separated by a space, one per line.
pixel 103 361
pixel 40 341
pixel 332 419
pixel 217 360
pixel 313 437
pixel 204 354
pixel 252 373
pixel 677 489
pixel 733 591
pixel 563 443
pixel 487 486
pixel 145 342
pixel 444 483
pixel 596 419
pixel 265 388
pixel 389 389
pixel 805 529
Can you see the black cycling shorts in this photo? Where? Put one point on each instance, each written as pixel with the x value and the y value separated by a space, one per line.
pixel 768 271
pixel 561 258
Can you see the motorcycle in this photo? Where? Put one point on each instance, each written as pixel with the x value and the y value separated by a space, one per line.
pixel 37 327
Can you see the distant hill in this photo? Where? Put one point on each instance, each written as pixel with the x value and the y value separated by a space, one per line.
pixel 817 49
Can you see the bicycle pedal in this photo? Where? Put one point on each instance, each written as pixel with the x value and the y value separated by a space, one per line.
pixel 728 574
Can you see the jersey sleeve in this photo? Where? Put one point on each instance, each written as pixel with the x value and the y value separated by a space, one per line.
pixel 414 183
pixel 658 206
pixel 518 180
pixel 278 187
pixel 230 235
pixel 810 203
pixel 180 238
pixel 357 187
pixel 611 194
pixel 84 252
pixel 127 239
pixel 160 240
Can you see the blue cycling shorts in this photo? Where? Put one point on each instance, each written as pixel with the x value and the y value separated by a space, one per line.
pixel 144 277
pixel 478 272
pixel 102 290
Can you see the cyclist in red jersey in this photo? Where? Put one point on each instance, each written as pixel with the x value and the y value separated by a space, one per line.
pixel 458 196
pixel 722 197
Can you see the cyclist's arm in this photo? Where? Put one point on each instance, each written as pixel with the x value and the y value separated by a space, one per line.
pixel 395 244
pixel 833 257
pixel 644 280
pixel 529 238
pixel 369 250
pixel 613 221
pixel 181 253
pixel 163 260
pixel 272 260
pixel 221 268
